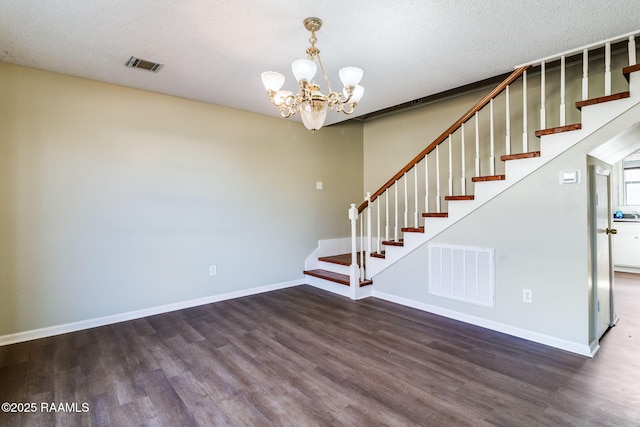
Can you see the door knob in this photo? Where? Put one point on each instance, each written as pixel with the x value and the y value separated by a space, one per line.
pixel 612 231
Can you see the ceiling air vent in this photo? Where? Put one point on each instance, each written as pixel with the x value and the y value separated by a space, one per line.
pixel 144 64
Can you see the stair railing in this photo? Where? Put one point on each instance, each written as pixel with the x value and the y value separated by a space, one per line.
pixel 475 135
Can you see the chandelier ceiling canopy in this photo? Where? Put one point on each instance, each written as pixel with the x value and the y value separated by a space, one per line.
pixel 309 101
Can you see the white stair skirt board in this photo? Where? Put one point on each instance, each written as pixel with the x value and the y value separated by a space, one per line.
pixel 462 273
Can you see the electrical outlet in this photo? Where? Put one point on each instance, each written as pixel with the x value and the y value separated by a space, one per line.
pixel 213 270
pixel 527 296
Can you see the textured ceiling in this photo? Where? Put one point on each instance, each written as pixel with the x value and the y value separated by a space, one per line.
pixel 215 50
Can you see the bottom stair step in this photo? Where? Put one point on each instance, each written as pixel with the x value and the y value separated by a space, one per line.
pixel 343 279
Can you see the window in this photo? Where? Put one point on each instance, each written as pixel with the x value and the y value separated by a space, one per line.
pixel 631 182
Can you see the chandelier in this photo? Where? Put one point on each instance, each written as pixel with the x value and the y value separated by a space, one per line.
pixel 309 101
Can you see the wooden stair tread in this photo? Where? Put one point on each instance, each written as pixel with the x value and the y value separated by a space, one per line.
pixel 393 242
pixel 435 215
pixel 529 155
pixel 602 99
pixel 559 129
pixel 488 178
pixel 630 69
pixel 412 229
pixel 451 198
pixel 380 254
pixel 342 259
pixel 342 279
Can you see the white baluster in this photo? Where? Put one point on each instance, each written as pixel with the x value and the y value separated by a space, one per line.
pixel 492 160
pixel 378 224
pixel 353 217
pixel 585 74
pixel 438 205
pixel 406 202
pixel 632 50
pixel 415 196
pixel 477 146
pixel 563 120
pixel 607 69
pixel 525 131
pixel 463 179
pixel 386 217
pixel 369 237
pixel 543 96
pixel 507 120
pixel 426 184
pixel 450 165
pixel 395 227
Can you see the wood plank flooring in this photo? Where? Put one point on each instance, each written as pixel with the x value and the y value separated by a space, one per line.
pixel 304 357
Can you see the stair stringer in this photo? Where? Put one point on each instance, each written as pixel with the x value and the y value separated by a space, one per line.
pixel 594 117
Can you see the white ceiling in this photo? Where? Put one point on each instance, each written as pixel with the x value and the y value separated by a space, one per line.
pixel 215 50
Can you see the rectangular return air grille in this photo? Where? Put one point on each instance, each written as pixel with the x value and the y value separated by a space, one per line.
pixel 462 273
pixel 144 64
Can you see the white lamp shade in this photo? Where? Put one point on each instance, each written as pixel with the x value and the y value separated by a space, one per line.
pixel 356 94
pixel 303 69
pixel 350 76
pixel 272 80
pixel 313 114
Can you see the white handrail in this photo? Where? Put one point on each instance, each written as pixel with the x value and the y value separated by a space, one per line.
pixel 435 173
pixel 578 50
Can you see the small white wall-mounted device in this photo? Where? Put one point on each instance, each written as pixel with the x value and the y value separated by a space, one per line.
pixel 570 177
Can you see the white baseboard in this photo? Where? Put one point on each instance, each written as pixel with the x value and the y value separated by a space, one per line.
pixel 583 350
pixel 122 317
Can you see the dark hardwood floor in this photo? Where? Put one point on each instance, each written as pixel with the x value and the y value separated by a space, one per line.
pixel 304 357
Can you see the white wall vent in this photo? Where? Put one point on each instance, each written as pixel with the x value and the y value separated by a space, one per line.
pixel 144 64
pixel 462 273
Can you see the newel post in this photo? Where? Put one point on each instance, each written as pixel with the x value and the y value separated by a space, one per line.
pixel 354 273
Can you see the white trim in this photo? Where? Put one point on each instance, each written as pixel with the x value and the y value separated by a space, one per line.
pixel 573 347
pixel 122 317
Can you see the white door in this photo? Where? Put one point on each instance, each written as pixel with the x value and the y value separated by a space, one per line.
pixel 603 263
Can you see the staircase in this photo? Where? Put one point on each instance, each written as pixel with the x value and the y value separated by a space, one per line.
pixel 432 192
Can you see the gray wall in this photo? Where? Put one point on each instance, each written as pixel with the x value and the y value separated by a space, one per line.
pixel 539 228
pixel 115 200
pixel 541 232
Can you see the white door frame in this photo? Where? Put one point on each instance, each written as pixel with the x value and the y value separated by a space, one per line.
pixel 606 172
